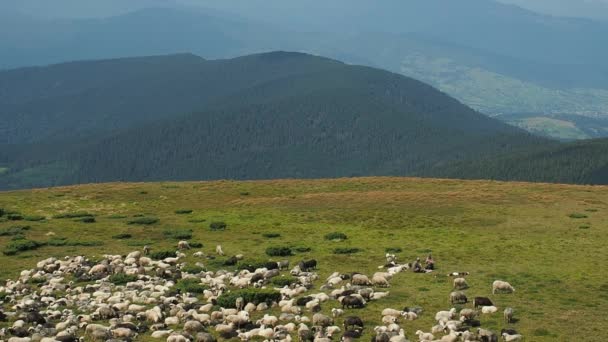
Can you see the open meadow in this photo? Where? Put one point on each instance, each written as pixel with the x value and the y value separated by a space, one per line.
pixel 549 241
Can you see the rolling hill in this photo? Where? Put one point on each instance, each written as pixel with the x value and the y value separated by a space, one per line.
pixel 272 115
pixel 505 60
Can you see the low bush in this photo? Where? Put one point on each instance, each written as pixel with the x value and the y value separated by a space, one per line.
pixel 3 296
pixel 190 285
pixel 122 236
pixel 18 237
pixel 271 235
pixel 61 241
pixel 15 230
pixel 34 218
pixel 183 211
pixel 197 220
pixel 196 244
pixel 14 217
pixel 78 214
pixel 178 234
pixel 394 250
pixel 122 278
pixel 335 236
pixel 278 251
pixel 282 281
pixel 255 296
pixel 2 212
pixel 86 219
pixel 351 250
pixel 144 220
pixel 577 216
pixel 15 247
pixel 160 255
pixel 218 226
pixel 139 243
pixel 245 193
pixel 302 249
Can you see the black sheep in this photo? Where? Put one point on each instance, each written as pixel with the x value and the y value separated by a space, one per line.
pixel 353 321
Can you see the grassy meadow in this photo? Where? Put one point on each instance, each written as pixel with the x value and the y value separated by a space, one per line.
pixel 549 241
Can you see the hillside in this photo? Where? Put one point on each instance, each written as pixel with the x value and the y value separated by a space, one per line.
pixel 546 240
pixel 581 162
pixel 274 115
pixel 553 66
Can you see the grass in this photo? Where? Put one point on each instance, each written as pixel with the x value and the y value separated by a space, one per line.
pixel 518 232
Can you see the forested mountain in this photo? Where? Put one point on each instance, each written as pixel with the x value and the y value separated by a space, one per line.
pixel 496 58
pixel 581 162
pixel 261 116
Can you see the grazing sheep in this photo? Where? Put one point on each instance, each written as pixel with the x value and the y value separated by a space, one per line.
pixel 361 279
pixel 161 333
pixel 422 336
pixel 353 321
pixel 458 297
pixel 460 284
pixel 508 314
pixel 239 303
pixel 218 250
pixel 502 286
pixel 391 312
pixel 183 245
pixel 467 314
pixel 482 301
pixel 489 309
pixel 319 319
pixel 335 312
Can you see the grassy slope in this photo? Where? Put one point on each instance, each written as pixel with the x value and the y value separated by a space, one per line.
pixel 518 232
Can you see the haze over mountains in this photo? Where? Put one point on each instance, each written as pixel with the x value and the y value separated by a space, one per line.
pixel 546 74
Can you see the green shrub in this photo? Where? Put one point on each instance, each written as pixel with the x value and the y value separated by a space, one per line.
pixel 335 236
pixel 302 249
pixel 350 250
pixel 86 219
pixel 78 214
pixel 160 255
pixel 255 296
pixel 2 212
pixel 193 269
pixel 18 237
pixel 190 285
pixel 122 278
pixel 183 211
pixel 278 251
pixel 14 217
pixel 271 235
pixel 15 247
pixel 394 250
pixel 178 234
pixel 144 220
pixel 541 332
pixel 584 227
pixel 218 226
pixel 139 243
pixel 577 216
pixel 282 281
pixel 197 220
pixel 122 236
pixel 3 296
pixel 34 218
pixel 196 244
pixel 61 241
pixel 245 193
pixel 15 230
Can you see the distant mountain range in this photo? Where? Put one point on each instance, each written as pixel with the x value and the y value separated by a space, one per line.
pixel 498 59
pixel 271 115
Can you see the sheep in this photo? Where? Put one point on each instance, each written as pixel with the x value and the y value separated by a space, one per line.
pixel 161 333
pixel 319 319
pixel 489 309
pixel 20 339
pixel 268 320
pixel 486 335
pixel 508 315
pixel 239 303
pixel 218 250
pixel 379 295
pixel 353 321
pixel 422 336
pixel 410 316
pixel 444 316
pixel 123 333
pixel 467 314
pixel 335 312
pixel 361 279
pixel 380 281
pixel 482 301
pixel 502 286
pixel 458 297
pixel 177 338
pixel 198 254
pixel 512 338
pixel 391 312
pixel 183 245
pixel 389 320
pixel 352 302
pixel 330 331
pixel 460 284
pixel 451 337
pixel 204 337
pixel 193 327
pixel 400 337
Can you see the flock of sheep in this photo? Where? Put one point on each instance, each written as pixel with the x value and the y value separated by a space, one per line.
pixel 73 299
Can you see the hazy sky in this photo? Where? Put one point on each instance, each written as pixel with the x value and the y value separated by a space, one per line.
pixel 597 9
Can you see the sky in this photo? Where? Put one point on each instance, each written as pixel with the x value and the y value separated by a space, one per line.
pixel 595 9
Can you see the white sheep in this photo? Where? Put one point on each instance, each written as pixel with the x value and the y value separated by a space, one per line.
pixel 218 250
pixel 460 284
pixel 161 333
pixel 512 338
pixel 335 312
pixel 488 309
pixel 422 336
pixel 502 286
